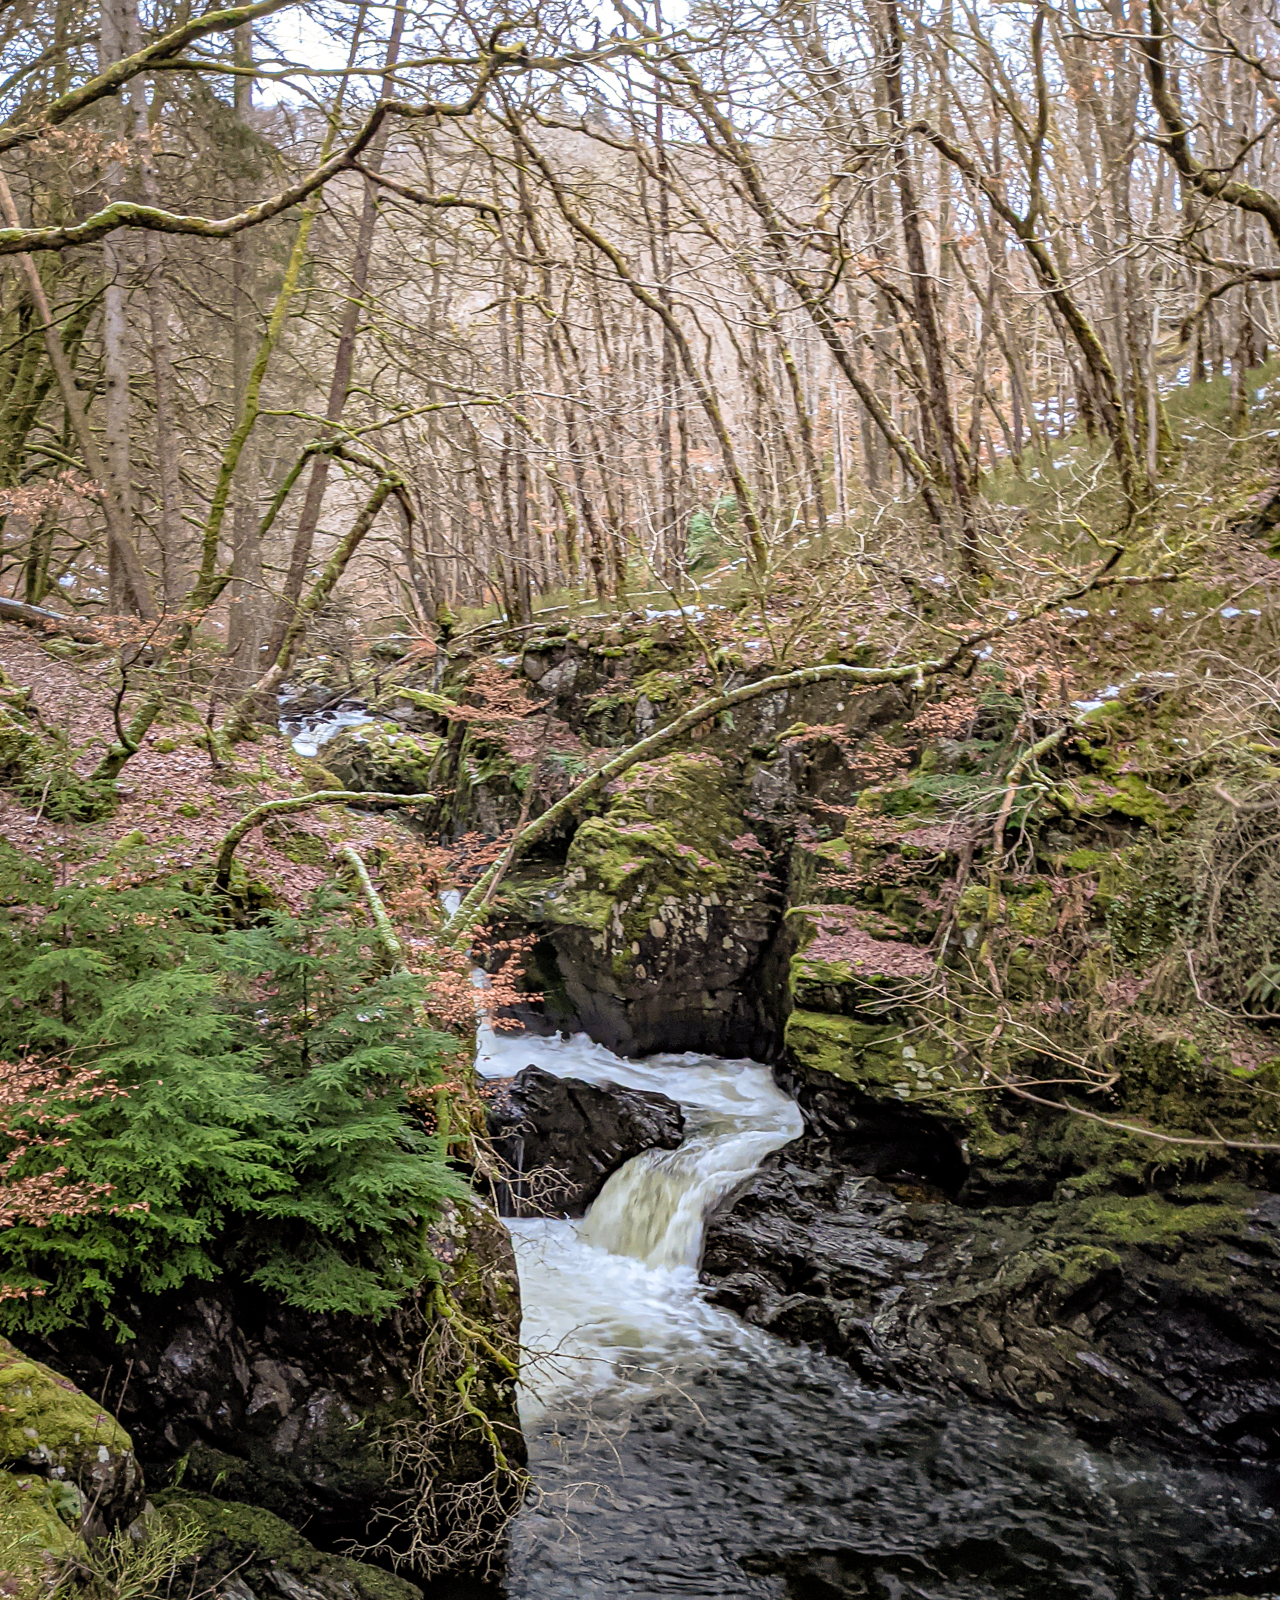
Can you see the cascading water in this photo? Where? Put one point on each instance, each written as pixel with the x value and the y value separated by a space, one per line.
pixel 612 1302
pixel 678 1451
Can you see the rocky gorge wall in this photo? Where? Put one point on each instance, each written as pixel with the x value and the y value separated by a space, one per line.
pixel 1029 1171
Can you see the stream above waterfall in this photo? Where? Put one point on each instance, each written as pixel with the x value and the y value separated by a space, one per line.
pixel 678 1451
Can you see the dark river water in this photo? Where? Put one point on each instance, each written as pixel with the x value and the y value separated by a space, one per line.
pixel 775 1474
pixel 678 1452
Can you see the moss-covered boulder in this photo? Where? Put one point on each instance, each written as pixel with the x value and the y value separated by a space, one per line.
pixel 50 1428
pixel 383 756
pixel 882 1060
pixel 243 1547
pixel 39 764
pixel 665 914
pixel 20 746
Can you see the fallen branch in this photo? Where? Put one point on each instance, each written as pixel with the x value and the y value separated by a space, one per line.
pixel 383 927
pixel 45 621
pixel 279 808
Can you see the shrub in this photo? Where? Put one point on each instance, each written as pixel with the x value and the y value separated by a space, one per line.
pixel 265 1127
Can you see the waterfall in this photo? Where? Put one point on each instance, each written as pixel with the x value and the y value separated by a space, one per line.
pixel 653 1208
pixel 612 1302
pixel 678 1450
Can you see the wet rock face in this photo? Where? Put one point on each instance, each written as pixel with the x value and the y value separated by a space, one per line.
pixel 1155 1315
pixel 271 1401
pixel 561 1138
pixel 290 1410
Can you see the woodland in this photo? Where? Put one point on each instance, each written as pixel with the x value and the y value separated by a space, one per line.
pixel 817 460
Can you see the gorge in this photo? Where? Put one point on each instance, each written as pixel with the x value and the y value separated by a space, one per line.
pixel 639 800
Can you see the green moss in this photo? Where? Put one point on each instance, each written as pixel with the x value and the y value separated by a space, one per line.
pixel 1151 1219
pixel 658 687
pixel 20 747
pixel 438 704
pixel 1127 796
pixel 880 1060
pixel 972 906
pixel 1082 1266
pixel 384 756
pixel 1086 860
pixel 986 1146
pixel 37 1518
pixel 46 1422
pixel 314 774
pixel 253 1543
pixel 659 854
pixel 1034 914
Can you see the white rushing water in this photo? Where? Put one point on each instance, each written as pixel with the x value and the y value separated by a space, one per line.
pixel 613 1301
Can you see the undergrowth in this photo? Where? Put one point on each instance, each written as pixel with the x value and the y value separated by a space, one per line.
pixel 266 1127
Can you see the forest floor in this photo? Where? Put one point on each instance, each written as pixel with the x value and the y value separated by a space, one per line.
pixel 171 793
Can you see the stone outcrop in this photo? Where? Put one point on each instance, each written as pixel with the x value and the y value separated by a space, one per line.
pixel 665 915
pixel 967 1016
pixel 559 1139
pixel 936 1232
pixel 383 757
pixel 1150 1313
pixel 290 1410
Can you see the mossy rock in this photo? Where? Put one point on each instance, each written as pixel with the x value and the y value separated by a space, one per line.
pixel 1151 1219
pixel 383 756
pixel 20 747
pixel 260 1548
pixel 50 1427
pixel 1127 796
pixel 40 769
pixel 840 967
pixel 880 1060
pixel 38 1526
pixel 315 776
pixel 646 878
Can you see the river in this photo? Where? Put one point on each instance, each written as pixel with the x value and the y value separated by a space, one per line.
pixel 677 1451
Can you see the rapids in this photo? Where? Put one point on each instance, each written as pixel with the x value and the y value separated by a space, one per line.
pixel 677 1451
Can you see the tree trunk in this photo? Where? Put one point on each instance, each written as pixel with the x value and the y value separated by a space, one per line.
pixel 343 362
